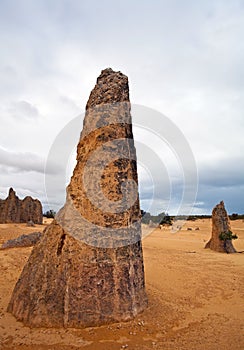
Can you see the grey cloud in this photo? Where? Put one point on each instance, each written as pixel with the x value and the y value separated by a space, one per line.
pixel 23 109
pixel 224 172
pixel 24 162
pixel 21 161
pixel 209 196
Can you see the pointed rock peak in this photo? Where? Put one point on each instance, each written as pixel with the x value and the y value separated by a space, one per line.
pixel 220 207
pixel 11 192
pixel 112 87
pixel 109 72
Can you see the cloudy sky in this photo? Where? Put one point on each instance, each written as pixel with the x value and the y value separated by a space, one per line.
pixel 184 59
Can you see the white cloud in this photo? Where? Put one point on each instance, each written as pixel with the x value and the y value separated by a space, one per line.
pixel 23 109
pixel 21 161
pixel 18 162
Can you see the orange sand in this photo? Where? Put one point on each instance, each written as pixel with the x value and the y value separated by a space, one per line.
pixel 196 298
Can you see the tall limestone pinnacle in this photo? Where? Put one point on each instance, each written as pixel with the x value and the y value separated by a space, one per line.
pixel 88 267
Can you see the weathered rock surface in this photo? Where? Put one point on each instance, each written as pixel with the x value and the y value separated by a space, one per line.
pixel 88 267
pixel 13 209
pixel 30 223
pixel 220 224
pixel 22 241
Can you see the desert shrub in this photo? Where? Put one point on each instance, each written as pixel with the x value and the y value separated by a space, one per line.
pixel 167 220
pixel 49 214
pixel 162 218
pixel 236 216
pixel 192 218
pixel 227 236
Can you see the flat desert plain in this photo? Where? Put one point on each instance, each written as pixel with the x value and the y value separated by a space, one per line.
pixel 196 297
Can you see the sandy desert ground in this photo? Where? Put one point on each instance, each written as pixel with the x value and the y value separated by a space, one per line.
pixel 196 298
